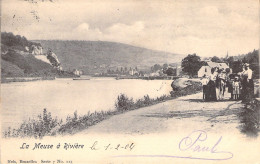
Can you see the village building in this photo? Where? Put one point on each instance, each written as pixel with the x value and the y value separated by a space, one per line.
pixel 77 72
pixel 36 50
pixel 206 70
pixel 133 72
pixel 157 73
pixel 26 48
pixel 178 70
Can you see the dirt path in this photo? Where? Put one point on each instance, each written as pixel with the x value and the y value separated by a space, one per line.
pixel 185 113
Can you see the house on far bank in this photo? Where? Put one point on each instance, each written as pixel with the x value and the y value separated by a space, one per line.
pixel 77 72
pixel 178 71
pixel 206 70
pixel 133 72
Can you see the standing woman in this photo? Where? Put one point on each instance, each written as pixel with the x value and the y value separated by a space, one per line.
pixel 218 83
pixel 229 82
pixel 243 83
pixel 212 86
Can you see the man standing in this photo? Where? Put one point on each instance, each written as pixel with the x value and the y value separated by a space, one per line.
pixel 205 82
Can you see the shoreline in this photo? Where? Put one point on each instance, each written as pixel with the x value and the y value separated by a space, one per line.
pixel 120 77
pixel 30 79
pixel 24 79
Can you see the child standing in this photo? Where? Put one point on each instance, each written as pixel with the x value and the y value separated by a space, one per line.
pixel 205 82
pixel 236 88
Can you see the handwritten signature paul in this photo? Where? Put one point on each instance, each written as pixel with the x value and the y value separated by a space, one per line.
pixel 195 144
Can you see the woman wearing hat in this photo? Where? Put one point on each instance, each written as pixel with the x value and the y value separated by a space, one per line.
pixel 247 91
pixel 230 79
pixel 211 94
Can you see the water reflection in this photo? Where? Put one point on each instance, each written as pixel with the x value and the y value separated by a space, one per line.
pixel 62 97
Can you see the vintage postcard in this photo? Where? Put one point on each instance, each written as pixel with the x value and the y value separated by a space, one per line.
pixel 130 81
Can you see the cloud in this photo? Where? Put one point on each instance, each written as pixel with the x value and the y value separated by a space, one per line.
pixel 202 27
pixel 83 32
pixel 125 33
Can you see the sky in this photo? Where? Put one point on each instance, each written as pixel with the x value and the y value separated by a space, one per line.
pixel 204 27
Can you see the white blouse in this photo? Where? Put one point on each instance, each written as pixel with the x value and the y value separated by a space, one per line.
pixel 247 73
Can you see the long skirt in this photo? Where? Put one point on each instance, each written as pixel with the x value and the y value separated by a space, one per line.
pixel 205 92
pixel 211 91
pixel 230 87
pixel 251 89
pixel 247 92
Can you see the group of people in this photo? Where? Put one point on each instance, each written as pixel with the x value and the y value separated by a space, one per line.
pixel 240 85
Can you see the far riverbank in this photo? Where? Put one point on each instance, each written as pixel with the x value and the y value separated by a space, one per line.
pixel 24 79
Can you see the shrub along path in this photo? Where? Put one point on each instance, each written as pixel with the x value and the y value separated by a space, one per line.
pixel 186 113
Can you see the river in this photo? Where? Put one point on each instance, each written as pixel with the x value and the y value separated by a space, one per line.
pixel 61 97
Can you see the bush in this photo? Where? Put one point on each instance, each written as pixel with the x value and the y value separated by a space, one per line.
pixel 124 103
pixel 250 118
pixel 162 98
pixel 37 128
pixel 147 100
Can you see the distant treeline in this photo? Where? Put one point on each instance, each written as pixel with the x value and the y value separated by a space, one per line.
pixel 192 63
pixel 16 41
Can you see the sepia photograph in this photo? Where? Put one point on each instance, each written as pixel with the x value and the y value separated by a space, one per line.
pixel 130 81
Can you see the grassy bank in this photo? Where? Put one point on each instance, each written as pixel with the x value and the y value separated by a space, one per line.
pixel 46 125
pixel 250 118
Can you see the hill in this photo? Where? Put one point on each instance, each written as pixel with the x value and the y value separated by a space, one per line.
pixel 10 70
pixel 28 63
pixel 23 58
pixel 99 56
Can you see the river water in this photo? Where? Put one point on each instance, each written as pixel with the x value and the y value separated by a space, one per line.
pixel 61 97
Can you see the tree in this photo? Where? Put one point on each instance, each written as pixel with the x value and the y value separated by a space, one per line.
pixel 141 73
pixel 203 63
pixel 165 65
pixel 252 58
pixel 216 59
pixel 230 60
pixel 191 64
pixel 170 71
pixel 244 60
pixel 237 66
pixel 156 67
